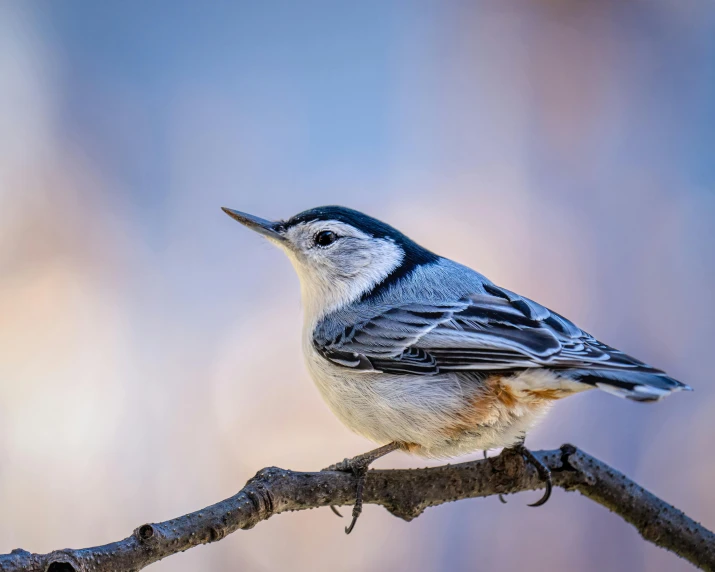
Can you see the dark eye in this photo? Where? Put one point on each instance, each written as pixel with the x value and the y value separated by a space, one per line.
pixel 325 238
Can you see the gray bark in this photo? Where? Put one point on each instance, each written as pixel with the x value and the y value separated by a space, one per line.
pixel 405 493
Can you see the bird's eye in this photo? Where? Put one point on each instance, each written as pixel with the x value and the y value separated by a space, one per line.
pixel 325 238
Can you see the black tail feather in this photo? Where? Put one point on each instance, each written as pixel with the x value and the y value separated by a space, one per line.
pixel 635 385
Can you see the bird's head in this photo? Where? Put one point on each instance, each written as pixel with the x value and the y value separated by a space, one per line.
pixel 340 254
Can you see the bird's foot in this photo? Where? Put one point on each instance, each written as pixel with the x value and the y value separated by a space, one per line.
pixel 543 470
pixel 358 466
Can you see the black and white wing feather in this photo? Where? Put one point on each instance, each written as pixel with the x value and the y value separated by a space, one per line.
pixel 494 331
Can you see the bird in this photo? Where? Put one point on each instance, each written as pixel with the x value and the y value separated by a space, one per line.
pixel 419 353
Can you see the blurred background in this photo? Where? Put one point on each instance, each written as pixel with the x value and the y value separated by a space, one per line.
pixel 150 347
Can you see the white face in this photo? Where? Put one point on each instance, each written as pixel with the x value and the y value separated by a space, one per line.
pixel 336 262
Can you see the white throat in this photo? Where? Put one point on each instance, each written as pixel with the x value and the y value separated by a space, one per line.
pixel 325 289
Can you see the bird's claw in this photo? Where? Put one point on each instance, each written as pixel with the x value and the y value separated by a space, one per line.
pixel 335 510
pixel 360 473
pixel 357 467
pixel 545 475
pixel 543 471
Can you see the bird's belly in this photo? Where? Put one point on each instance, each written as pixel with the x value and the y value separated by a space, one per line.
pixel 433 416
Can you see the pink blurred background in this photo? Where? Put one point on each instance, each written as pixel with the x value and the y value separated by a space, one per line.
pixel 149 346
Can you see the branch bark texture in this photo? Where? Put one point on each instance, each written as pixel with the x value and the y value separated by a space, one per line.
pixel 405 493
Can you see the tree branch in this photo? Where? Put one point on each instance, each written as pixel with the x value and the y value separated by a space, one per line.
pixel 405 493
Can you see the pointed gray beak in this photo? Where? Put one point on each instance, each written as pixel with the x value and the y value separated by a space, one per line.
pixel 265 227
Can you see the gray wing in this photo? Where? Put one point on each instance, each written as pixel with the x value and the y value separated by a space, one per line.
pixel 498 330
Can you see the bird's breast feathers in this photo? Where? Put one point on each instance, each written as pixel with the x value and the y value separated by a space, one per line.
pixel 439 415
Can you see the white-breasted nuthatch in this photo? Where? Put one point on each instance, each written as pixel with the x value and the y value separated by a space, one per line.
pixel 416 352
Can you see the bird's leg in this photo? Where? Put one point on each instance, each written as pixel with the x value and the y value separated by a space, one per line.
pixel 358 466
pixel 543 470
pixel 364 460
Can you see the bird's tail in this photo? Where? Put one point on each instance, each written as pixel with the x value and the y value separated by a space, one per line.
pixel 635 385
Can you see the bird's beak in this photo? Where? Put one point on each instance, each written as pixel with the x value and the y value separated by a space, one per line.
pixel 262 226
